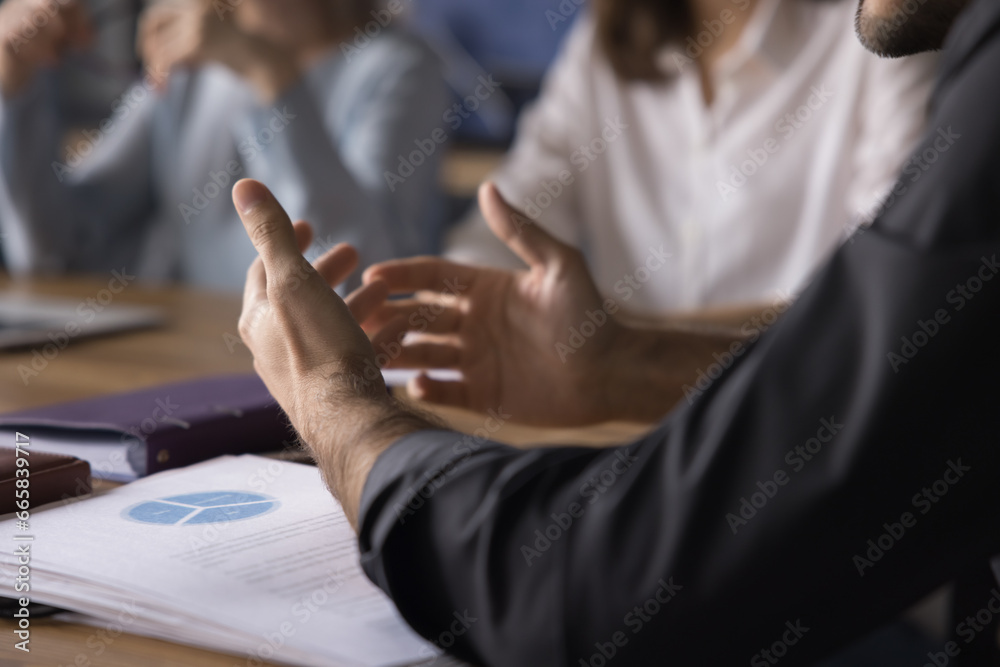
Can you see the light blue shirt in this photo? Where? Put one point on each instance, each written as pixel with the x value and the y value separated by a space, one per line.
pixel 149 190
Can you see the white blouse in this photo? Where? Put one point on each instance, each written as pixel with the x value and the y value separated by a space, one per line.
pixel 677 205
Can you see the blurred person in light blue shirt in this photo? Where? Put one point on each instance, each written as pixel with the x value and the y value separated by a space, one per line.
pixel 266 89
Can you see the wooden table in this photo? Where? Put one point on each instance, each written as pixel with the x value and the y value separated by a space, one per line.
pixel 198 340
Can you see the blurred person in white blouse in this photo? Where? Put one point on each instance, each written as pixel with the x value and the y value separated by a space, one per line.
pixel 708 155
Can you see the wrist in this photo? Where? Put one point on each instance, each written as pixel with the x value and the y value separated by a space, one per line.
pixel 341 399
pixel 351 422
pixel 648 369
pixel 632 376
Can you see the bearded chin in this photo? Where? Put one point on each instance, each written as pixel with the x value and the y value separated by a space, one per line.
pixel 912 26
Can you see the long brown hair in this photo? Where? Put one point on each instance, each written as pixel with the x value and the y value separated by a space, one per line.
pixel 360 11
pixel 347 15
pixel 632 32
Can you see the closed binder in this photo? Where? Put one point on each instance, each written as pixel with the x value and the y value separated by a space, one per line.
pixel 163 427
pixel 50 477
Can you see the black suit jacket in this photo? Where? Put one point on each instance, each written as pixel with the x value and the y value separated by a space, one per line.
pixel 841 470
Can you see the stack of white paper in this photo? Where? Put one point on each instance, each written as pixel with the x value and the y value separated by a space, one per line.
pixel 110 456
pixel 245 555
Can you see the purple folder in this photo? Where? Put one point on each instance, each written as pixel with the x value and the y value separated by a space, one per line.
pixel 177 424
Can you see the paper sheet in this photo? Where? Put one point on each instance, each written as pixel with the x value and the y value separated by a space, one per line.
pixel 238 553
pixel 110 456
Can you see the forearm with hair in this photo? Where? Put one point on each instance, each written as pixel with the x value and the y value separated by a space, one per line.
pixel 353 419
pixel 352 422
pixel 716 319
pixel 649 369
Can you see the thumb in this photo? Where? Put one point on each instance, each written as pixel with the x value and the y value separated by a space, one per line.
pixel 268 227
pixel 522 235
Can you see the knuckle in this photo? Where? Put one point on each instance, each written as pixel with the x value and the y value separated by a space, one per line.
pixel 264 230
pixel 249 319
pixel 244 327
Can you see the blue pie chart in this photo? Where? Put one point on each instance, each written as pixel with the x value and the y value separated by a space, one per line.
pixel 202 508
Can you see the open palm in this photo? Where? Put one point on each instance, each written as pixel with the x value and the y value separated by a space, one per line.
pixel 534 343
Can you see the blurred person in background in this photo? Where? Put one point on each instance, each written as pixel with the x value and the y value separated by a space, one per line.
pixel 505 40
pixel 707 154
pixel 281 91
pixel 92 80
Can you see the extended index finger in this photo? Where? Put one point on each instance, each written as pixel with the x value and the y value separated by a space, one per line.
pixel 403 276
pixel 268 226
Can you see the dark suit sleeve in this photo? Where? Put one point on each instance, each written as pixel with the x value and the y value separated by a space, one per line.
pixel 846 466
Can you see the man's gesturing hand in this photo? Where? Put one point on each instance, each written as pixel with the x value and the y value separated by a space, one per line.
pixel 310 351
pixel 300 332
pixel 509 333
